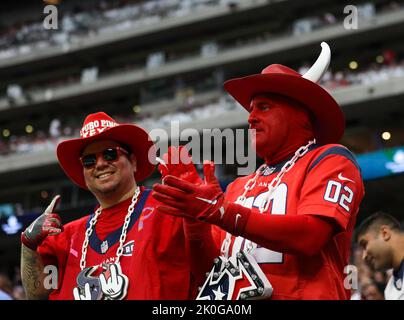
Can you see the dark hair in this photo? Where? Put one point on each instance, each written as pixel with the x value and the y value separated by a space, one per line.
pixel 375 221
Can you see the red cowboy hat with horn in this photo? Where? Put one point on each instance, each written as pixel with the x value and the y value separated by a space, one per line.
pixel 100 126
pixel 328 117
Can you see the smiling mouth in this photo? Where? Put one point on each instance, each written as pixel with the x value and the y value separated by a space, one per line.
pixel 104 175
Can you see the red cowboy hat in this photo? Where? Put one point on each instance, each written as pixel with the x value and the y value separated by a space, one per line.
pixel 276 78
pixel 100 126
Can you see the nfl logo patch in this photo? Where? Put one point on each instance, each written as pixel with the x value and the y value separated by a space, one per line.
pixel 104 246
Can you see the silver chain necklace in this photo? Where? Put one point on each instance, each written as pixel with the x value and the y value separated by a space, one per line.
pixel 122 238
pixel 264 205
pixel 276 181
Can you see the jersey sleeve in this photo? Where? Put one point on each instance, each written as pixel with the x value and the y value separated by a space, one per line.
pixel 333 187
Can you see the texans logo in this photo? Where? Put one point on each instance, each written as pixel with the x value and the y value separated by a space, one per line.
pixel 85 276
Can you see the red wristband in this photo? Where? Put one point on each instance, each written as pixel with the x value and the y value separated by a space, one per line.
pixel 231 217
pixel 27 242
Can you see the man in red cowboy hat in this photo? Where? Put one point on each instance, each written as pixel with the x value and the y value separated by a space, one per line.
pixel 121 251
pixel 285 231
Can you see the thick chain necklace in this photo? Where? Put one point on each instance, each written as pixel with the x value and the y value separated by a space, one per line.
pixel 276 181
pixel 122 238
pixel 264 205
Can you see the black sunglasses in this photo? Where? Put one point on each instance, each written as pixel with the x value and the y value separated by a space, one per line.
pixel 109 154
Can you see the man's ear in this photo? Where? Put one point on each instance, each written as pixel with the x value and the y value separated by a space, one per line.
pixel 133 161
pixel 385 232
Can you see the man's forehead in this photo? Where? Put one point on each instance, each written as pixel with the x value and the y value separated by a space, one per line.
pixel 273 98
pixel 100 145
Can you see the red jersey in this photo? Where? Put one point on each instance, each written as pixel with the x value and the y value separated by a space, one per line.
pixel 154 258
pixel 324 182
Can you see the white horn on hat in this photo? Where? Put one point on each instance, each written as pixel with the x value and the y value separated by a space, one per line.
pixel 319 67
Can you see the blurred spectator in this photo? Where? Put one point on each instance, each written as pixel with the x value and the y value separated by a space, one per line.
pixel 19 293
pixel 381 237
pixel 55 128
pixel 6 288
pixel 3 148
pixel 373 291
pixel 329 18
pixel 389 57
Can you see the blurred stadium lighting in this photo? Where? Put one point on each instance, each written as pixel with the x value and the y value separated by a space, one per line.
pixel 12 226
pixel 6 133
pixel 353 65
pixel 386 135
pixel 379 59
pixel 136 109
pixel 29 128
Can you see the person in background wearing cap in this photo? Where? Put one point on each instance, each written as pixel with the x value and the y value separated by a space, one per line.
pixel 123 250
pixel 285 231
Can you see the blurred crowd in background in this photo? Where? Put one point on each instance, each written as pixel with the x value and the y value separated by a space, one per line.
pixel 387 67
pixel 23 39
pixel 116 16
pixel 103 17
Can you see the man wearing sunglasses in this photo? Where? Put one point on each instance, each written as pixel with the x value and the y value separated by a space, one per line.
pixel 122 250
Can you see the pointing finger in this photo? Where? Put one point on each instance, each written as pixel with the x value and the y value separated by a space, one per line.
pixel 53 204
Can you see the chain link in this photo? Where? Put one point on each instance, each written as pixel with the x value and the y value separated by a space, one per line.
pixel 122 238
pixel 250 184
pixel 286 167
pixel 250 246
pixel 126 224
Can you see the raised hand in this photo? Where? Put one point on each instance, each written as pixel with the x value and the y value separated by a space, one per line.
pixel 205 202
pixel 182 198
pixel 47 224
pixel 114 288
pixel 177 162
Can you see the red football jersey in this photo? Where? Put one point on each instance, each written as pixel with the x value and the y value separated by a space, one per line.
pixel 324 182
pixel 154 257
